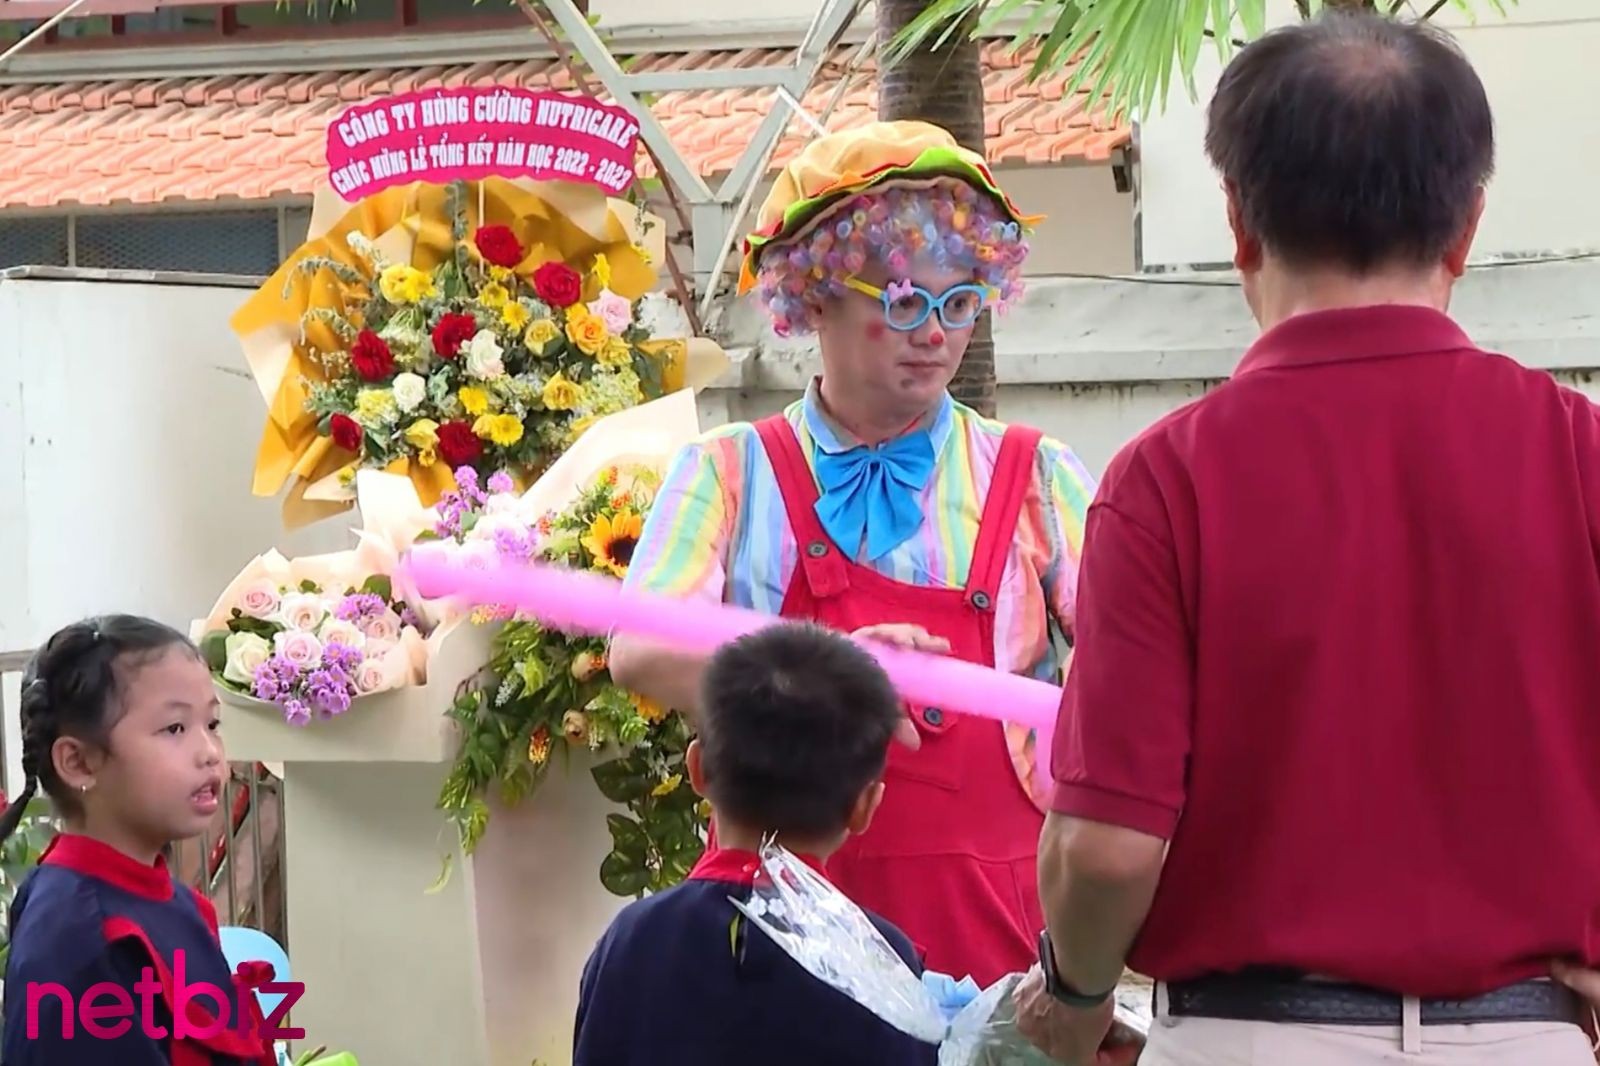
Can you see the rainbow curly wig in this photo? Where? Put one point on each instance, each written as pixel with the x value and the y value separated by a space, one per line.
pixel 946 222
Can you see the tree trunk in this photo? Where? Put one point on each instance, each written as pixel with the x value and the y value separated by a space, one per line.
pixel 944 87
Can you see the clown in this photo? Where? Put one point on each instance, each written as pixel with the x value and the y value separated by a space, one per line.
pixel 877 505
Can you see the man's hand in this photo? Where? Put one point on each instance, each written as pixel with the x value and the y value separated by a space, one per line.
pixel 916 639
pixel 1072 1037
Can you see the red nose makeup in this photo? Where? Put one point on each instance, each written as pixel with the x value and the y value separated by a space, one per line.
pixel 936 337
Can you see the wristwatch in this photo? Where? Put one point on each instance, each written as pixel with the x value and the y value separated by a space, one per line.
pixel 1058 988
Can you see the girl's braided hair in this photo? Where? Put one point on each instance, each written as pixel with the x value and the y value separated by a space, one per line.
pixel 70 689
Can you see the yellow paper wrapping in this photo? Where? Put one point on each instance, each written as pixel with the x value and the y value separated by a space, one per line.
pixel 554 221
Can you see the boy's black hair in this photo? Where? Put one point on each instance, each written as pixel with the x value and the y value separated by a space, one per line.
pixel 1353 140
pixel 70 689
pixel 795 721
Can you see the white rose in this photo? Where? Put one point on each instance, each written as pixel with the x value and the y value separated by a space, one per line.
pixel 245 652
pixel 338 631
pixel 503 503
pixel 260 599
pixel 490 524
pixel 303 610
pixel 371 676
pixel 299 647
pixel 409 391
pixel 483 357
pixel 381 629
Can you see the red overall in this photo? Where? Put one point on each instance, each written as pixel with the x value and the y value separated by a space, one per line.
pixel 950 856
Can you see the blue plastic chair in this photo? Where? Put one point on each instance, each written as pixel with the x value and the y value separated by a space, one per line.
pixel 241 944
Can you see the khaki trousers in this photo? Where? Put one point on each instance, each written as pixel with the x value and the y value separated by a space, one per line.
pixel 1219 1042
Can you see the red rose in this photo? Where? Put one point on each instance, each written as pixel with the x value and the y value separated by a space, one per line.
pixel 558 285
pixel 458 445
pixel 346 432
pixel 371 355
pixel 499 246
pixel 453 330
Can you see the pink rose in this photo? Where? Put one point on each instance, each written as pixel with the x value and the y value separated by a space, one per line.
pixel 382 628
pixel 371 676
pixel 299 647
pixel 260 599
pixel 615 311
pixel 303 610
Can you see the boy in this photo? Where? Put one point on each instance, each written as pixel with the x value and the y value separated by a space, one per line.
pixel 793 735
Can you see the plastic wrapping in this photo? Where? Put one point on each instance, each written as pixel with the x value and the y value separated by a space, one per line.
pixel 832 938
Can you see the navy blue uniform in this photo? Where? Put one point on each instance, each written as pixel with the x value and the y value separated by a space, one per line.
pixel 102 950
pixel 682 977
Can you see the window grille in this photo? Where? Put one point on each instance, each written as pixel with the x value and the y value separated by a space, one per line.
pixel 201 242
pixel 33 242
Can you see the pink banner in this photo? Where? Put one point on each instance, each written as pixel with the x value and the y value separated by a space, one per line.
pixel 444 135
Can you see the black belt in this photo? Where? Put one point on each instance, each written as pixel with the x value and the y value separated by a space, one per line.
pixel 1300 1001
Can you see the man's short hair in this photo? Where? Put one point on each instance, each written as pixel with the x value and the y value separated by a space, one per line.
pixel 1353 140
pixel 795 722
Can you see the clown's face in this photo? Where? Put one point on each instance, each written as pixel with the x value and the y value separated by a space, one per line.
pixel 897 373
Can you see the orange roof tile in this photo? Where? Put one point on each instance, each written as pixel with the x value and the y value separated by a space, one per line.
pixel 253 137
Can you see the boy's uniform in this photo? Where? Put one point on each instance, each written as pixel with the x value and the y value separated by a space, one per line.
pixel 682 977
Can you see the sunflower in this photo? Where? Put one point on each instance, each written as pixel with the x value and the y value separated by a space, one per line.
pixel 611 540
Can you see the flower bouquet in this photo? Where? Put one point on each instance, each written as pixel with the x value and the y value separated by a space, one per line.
pixel 546 694
pixel 483 324
pixel 311 645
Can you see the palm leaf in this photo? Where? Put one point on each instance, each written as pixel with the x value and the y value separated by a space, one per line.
pixel 1122 50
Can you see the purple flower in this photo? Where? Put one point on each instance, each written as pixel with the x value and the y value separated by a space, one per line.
pixel 501 482
pixel 329 692
pixel 295 712
pixel 340 660
pixel 513 544
pixel 467 481
pixel 408 617
pixel 266 686
pixel 451 511
pixel 359 605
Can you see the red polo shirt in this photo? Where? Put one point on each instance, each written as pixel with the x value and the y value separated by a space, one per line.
pixel 1338 641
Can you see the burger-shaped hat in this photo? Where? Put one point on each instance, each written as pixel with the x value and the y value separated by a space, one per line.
pixel 837 166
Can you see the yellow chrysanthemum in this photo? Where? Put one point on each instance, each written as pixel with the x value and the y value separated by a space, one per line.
pixel 645 256
pixel 668 786
pixel 561 395
pixel 615 352
pixel 541 331
pixel 515 316
pixel 423 435
pixel 587 331
pixel 602 271
pixel 499 273
pixel 474 399
pixel 493 296
pixel 648 709
pixel 376 407
pixel 504 430
pixel 402 284
pixel 611 540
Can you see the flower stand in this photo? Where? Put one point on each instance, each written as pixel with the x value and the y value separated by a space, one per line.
pixel 481 970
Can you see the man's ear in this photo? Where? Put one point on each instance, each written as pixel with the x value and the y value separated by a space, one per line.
pixel 1455 257
pixel 691 762
pixel 1246 248
pixel 865 807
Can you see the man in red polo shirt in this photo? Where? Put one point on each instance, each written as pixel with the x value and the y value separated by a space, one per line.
pixel 1328 763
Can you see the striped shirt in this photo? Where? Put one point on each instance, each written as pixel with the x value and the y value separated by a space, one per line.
pixel 718 529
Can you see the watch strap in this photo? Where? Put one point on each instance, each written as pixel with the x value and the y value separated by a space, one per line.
pixel 1058 988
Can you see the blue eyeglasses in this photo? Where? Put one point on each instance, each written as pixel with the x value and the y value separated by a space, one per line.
pixel 907 306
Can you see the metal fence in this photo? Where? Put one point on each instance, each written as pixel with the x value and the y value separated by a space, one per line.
pixel 238 863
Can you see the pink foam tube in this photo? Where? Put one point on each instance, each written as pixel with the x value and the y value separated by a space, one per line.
pixel 578 602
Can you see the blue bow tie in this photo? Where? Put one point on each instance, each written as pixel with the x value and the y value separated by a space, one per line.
pixel 872 493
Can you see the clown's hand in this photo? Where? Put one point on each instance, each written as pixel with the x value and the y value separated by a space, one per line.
pixel 915 638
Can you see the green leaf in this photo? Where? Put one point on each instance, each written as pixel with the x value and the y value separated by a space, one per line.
pixel 627 836
pixel 623 780
pixel 443 878
pixel 309 586
pixel 379 585
pixel 624 875
pixel 213 646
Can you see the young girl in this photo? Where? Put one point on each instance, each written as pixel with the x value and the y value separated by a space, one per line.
pixel 119 723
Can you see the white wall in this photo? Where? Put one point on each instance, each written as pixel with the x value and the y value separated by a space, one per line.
pixel 1537 66
pixel 128 430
